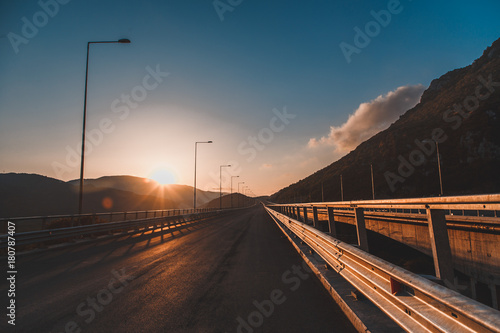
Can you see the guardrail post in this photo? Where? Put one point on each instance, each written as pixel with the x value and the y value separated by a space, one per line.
pixel 361 229
pixel 162 227
pixel 315 217
pixel 494 298
pixel 305 215
pixel 473 288
pixel 298 213
pixel 332 228
pixel 440 244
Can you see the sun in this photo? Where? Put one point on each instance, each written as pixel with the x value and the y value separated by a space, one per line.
pixel 164 175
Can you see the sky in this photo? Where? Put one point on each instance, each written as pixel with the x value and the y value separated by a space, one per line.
pixel 282 88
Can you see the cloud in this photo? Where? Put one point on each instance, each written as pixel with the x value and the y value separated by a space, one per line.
pixel 370 118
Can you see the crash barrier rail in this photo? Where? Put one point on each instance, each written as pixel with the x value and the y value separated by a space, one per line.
pixel 479 214
pixel 414 302
pixel 139 225
pixel 33 223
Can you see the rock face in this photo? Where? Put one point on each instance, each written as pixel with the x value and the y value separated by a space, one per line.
pixel 460 110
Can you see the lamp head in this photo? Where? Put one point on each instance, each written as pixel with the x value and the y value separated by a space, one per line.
pixel 124 41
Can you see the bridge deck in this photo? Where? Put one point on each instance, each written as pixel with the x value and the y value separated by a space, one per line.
pixel 200 279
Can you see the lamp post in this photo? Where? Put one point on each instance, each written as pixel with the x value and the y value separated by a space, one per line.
pixel 220 183
pixel 239 192
pixel 232 189
pixel 439 163
pixel 341 189
pixel 121 41
pixel 322 193
pixel 248 191
pixel 195 153
pixel 373 186
pixel 244 189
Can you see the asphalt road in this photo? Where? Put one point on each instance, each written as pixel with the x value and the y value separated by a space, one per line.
pixel 235 273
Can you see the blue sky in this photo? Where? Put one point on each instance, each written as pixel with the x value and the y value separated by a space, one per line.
pixel 225 78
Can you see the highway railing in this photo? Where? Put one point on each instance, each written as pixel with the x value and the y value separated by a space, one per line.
pixel 33 223
pixel 157 219
pixel 424 223
pixel 413 302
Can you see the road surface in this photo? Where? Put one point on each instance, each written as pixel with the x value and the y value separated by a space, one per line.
pixel 234 273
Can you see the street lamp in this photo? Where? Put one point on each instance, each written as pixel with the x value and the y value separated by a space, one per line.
pixel 439 163
pixel 232 189
pixel 220 183
pixel 341 188
pixel 246 189
pixel 121 41
pixel 373 186
pixel 195 153
pixel 243 188
pixel 239 193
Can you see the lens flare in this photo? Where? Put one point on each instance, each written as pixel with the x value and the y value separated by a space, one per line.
pixel 107 203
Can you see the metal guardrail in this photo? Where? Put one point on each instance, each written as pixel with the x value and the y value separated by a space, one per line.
pixel 482 222
pixel 465 202
pixel 412 301
pixel 479 214
pixel 33 223
pixel 139 225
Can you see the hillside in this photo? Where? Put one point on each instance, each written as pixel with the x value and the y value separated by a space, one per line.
pixel 460 110
pixel 230 200
pixel 181 194
pixel 31 195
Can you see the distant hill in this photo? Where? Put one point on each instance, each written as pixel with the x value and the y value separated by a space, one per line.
pixel 230 200
pixel 32 194
pixel 181 194
pixel 461 109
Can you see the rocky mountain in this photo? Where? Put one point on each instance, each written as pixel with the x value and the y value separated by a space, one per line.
pixel 460 110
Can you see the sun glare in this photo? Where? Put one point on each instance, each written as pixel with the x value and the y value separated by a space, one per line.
pixel 164 175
